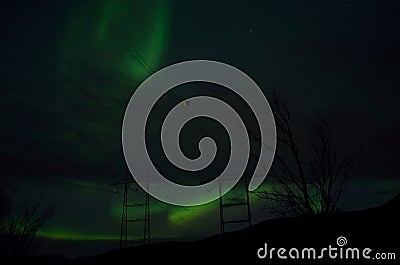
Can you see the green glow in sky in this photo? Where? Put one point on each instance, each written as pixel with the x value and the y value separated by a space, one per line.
pixel 127 38
pixel 186 215
pixel 164 218
pixel 65 234
pixel 153 45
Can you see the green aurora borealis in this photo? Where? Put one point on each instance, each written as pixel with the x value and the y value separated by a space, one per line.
pixel 91 30
pixel 70 67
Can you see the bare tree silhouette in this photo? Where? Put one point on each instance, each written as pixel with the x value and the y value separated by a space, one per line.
pixel 18 228
pixel 310 181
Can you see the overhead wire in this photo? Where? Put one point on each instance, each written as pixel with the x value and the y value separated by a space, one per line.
pixel 133 52
pixel 45 114
pixel 93 7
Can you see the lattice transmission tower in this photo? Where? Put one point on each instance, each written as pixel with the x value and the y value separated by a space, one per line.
pixel 244 205
pixel 125 216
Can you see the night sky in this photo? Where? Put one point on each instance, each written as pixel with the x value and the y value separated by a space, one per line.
pixel 69 68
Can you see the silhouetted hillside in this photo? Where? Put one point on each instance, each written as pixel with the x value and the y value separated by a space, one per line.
pixel 393 203
pixel 375 228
